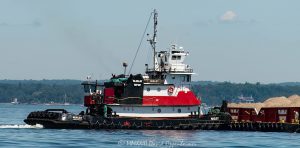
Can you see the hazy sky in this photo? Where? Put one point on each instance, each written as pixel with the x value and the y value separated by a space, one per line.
pixel 228 40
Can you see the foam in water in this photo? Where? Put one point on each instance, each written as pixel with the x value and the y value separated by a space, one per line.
pixel 20 126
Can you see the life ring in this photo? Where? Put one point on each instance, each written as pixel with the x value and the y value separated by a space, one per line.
pixel 171 89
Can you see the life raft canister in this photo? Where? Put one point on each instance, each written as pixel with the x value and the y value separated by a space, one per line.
pixel 171 89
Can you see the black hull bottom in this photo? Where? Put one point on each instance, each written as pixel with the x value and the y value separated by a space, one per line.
pixel 169 125
pixel 54 120
pixel 126 123
pixel 264 127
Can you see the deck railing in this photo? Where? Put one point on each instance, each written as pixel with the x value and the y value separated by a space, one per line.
pixel 173 70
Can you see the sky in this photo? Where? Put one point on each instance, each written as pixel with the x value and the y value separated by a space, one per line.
pixel 228 40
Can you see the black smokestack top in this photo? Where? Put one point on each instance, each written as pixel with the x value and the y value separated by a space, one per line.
pixel 224 106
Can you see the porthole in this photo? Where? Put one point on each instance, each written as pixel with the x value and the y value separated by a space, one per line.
pixel 159 110
pixel 148 88
pixel 158 89
pixel 179 110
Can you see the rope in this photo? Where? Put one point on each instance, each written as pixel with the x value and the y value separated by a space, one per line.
pixel 140 44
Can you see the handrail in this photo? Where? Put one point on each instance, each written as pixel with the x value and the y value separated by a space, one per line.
pixel 154 81
pixel 174 70
pixel 61 110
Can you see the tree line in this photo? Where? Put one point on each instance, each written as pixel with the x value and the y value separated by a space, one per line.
pixel 211 93
pixel 43 91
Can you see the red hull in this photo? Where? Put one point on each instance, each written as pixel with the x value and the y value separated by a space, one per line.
pixel 182 99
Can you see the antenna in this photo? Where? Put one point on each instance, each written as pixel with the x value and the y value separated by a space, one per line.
pixel 153 40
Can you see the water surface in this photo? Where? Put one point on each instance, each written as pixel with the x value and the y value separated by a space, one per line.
pixel 14 133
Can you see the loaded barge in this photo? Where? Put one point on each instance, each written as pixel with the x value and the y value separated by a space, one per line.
pixel 159 99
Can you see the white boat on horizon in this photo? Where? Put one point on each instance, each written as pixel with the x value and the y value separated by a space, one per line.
pixel 15 101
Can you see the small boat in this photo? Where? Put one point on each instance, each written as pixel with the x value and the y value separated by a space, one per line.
pixel 15 101
pixel 65 101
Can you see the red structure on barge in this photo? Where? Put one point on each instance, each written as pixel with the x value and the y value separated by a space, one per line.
pixel 280 109
pixel 267 114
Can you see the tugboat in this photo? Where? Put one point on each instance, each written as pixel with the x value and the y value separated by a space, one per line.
pixel 160 98
pixel 163 91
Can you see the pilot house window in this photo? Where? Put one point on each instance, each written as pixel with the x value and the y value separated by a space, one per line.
pixel 183 78
pixel 89 88
pixel 176 57
pixel 188 78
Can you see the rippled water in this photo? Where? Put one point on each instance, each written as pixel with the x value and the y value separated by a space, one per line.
pixel 14 133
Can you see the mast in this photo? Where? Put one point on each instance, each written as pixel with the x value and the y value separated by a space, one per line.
pixel 153 40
